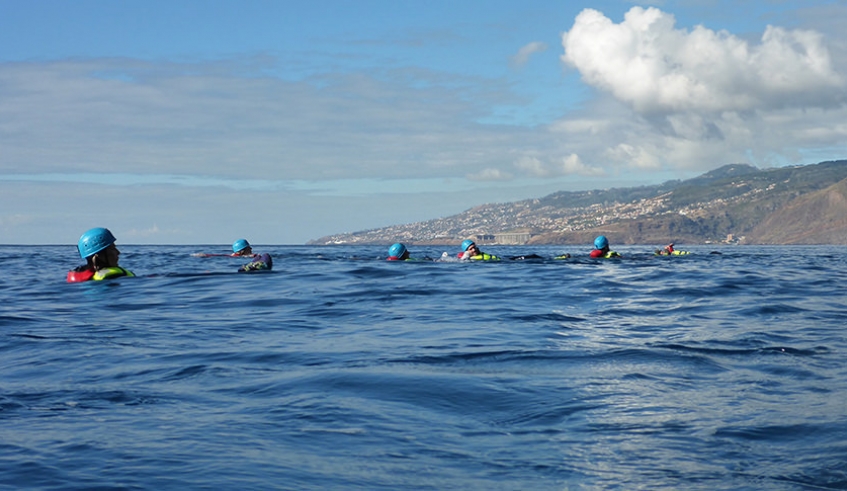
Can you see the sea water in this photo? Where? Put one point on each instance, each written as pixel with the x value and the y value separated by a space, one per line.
pixel 723 369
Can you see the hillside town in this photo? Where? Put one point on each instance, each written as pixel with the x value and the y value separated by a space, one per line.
pixel 722 206
pixel 516 223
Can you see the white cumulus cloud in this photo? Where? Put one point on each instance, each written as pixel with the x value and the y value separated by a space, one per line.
pixel 572 164
pixel 654 67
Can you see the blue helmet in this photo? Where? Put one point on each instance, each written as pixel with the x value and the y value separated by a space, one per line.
pixel 239 245
pixel 397 250
pixel 601 242
pixel 467 243
pixel 94 241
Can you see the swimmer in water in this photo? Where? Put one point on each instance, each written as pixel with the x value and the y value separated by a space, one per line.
pixel 97 247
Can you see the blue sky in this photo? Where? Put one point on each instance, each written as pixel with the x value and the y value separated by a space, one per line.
pixel 189 122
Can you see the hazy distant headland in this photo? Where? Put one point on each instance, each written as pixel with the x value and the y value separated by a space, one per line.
pixel 736 203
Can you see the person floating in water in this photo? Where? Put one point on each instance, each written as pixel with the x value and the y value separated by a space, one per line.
pixel 97 247
pixel 260 262
pixel 242 248
pixel 668 250
pixel 398 252
pixel 665 251
pixel 601 248
pixel 470 251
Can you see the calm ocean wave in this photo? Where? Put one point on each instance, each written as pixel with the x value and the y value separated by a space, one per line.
pixel 339 370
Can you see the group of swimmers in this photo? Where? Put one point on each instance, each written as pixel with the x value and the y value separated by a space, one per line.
pixel 471 252
pixel 97 247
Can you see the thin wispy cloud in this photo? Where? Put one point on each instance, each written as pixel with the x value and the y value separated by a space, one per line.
pixel 525 53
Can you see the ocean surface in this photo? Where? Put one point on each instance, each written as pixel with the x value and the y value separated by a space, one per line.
pixel 340 370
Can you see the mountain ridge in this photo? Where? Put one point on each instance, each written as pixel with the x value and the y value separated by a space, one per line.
pixel 736 203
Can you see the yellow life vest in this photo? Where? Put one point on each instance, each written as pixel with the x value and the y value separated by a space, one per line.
pixel 109 273
pixel 484 257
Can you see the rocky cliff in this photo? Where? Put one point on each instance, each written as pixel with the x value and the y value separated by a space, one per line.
pixel 814 218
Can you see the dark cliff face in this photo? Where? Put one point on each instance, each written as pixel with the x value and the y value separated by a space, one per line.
pixel 814 218
pixel 788 205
